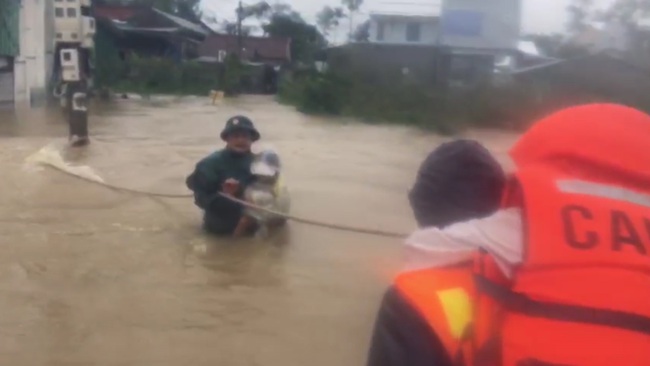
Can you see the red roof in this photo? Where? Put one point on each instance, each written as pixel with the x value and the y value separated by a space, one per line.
pixel 116 12
pixel 254 48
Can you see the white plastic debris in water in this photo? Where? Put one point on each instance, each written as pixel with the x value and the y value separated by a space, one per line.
pixel 51 155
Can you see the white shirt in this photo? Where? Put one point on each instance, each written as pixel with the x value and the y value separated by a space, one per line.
pixel 500 235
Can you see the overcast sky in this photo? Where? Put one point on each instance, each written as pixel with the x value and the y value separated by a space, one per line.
pixel 539 16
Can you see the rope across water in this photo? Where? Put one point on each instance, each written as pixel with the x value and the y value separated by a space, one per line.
pixel 243 203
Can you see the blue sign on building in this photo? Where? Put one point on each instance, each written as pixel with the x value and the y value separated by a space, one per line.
pixel 466 23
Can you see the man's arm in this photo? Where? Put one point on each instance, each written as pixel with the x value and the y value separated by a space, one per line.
pixel 206 185
pixel 402 337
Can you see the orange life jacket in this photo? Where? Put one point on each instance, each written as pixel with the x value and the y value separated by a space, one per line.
pixel 448 300
pixel 581 297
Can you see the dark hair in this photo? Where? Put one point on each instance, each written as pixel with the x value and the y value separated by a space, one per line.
pixel 458 181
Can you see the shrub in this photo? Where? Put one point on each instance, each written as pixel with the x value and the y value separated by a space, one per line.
pixel 394 99
pixel 163 76
pixel 315 93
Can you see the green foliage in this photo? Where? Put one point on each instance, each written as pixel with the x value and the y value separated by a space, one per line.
pixel 395 100
pixel 232 75
pixel 163 76
pixel 362 33
pixel 580 15
pixel 108 66
pixel 315 93
pixel 281 20
pixel 329 18
pixel 306 40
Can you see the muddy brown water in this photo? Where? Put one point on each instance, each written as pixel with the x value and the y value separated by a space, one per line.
pixel 89 276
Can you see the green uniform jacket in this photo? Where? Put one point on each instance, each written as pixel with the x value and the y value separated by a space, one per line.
pixel 221 215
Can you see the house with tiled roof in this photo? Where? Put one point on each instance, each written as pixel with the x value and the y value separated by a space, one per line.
pixel 274 51
pixel 147 31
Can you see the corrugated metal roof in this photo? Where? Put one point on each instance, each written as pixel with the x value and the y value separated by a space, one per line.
pixel 116 12
pixel 182 22
pixel 9 20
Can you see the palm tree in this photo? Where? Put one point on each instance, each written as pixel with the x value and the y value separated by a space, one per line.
pixel 353 6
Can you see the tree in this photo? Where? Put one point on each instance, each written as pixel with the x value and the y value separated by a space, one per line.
pixel 231 28
pixel 281 20
pixel 627 11
pixel 306 40
pixel 189 10
pixel 362 33
pixel 580 13
pixel 258 10
pixel 353 7
pixel 548 44
pixel 329 18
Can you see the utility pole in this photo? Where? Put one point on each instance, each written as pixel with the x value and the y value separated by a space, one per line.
pixel 240 18
pixel 75 28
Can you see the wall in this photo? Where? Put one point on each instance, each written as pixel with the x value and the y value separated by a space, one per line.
pixel 32 65
pixel 9 47
pixel 395 30
pixel 494 24
pixel 595 78
pixel 385 61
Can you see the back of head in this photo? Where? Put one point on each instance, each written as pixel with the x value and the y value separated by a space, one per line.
pixel 458 181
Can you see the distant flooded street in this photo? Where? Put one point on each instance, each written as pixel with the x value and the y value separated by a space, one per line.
pixel 89 276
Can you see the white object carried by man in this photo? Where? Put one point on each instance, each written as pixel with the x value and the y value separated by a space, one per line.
pixel 268 192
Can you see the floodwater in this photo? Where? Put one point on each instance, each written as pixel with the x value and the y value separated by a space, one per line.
pixel 90 276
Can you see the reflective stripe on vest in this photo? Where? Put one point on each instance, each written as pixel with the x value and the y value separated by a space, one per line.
pixel 582 288
pixel 444 298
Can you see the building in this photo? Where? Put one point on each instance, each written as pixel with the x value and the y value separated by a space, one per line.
pixel 404 29
pixel 599 77
pixel 9 48
pixel 264 58
pixel 457 43
pixel 476 26
pixel 526 55
pixel 146 31
pixel 275 51
pixel 26 51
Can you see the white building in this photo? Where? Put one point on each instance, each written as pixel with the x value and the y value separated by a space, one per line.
pixel 404 29
pixel 458 24
pixel 33 66
pixel 26 67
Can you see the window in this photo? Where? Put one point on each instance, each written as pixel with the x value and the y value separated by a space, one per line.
pixel 380 31
pixel 59 12
pixel 71 12
pixel 413 32
pixel 221 56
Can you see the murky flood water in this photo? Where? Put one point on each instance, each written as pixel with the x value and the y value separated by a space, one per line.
pixel 89 276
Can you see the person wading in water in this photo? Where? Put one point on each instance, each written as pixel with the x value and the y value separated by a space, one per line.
pixel 225 171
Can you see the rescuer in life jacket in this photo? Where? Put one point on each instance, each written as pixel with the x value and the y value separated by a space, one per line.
pixel 458 181
pixel 557 276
